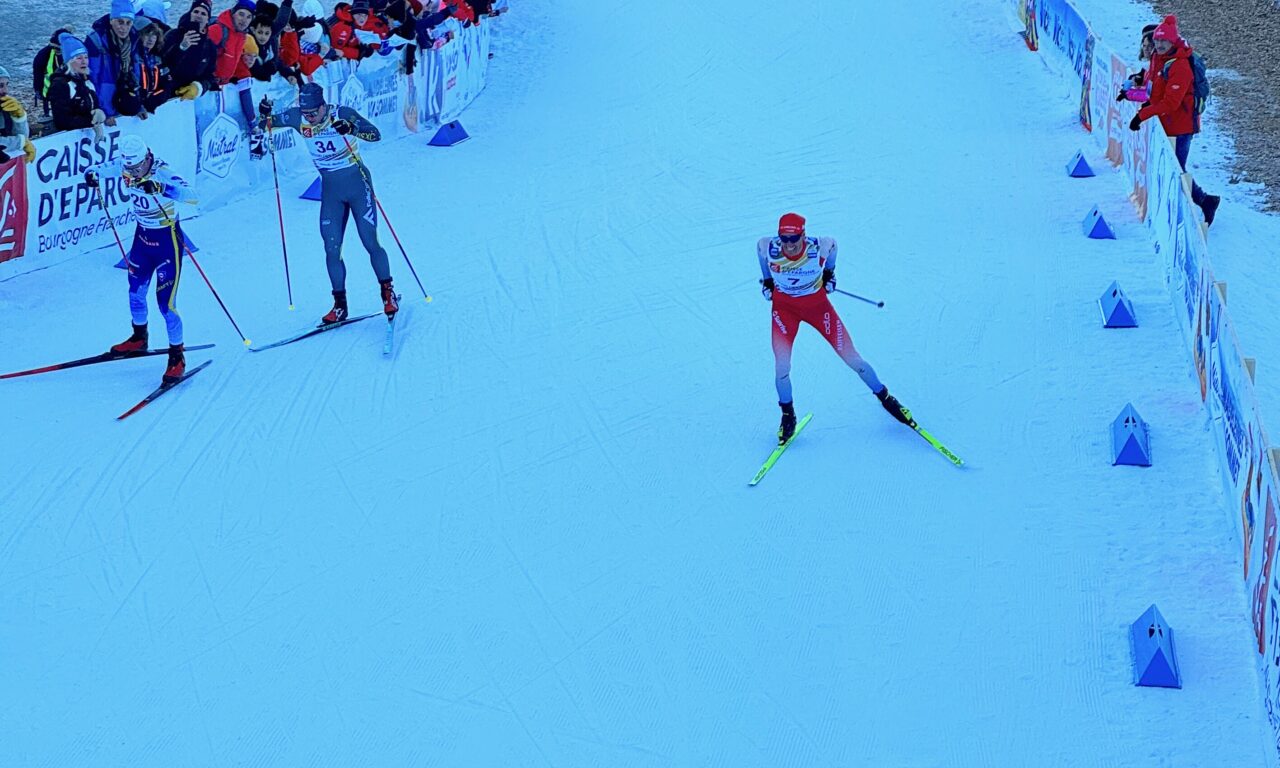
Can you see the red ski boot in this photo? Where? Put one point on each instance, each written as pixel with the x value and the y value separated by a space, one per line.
pixel 134 344
pixel 177 366
pixel 390 302
pixel 339 311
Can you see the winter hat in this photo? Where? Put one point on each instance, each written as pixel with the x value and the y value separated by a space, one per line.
pixel 207 4
pixel 310 96
pixel 4 73
pixel 71 47
pixel 133 150
pixel 359 6
pixel 791 224
pixel 141 22
pixel 156 10
pixel 122 9
pixel 1167 30
pixel 245 5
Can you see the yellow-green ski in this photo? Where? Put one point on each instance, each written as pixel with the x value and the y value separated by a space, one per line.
pixel 777 452
pixel 942 449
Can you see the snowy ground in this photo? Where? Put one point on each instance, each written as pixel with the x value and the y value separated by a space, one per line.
pixel 528 539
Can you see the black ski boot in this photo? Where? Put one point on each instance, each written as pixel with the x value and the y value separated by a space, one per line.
pixel 788 426
pixel 895 408
pixel 339 311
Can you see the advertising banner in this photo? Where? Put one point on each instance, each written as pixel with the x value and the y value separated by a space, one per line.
pixel 13 208
pixel 64 214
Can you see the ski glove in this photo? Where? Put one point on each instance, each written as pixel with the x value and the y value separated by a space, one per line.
pixel 1136 123
pixel 1121 95
pixel 13 107
pixel 829 280
pixel 766 288
pixel 91 179
pixel 343 127
pixel 147 186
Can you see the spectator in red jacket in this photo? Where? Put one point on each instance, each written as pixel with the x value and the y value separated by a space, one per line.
pixel 349 22
pixel 228 34
pixel 1173 100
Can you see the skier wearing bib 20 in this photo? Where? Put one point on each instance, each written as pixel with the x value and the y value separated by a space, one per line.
pixel 331 134
pixel 156 250
pixel 799 272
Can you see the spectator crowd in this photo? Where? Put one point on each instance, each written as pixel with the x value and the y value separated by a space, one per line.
pixel 132 61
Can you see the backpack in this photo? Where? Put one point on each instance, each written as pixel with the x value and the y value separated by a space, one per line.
pixel 1200 78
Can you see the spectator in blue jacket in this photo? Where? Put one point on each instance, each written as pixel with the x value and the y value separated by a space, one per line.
pixel 113 61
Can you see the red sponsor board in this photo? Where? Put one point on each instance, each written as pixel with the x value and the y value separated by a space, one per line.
pixel 13 209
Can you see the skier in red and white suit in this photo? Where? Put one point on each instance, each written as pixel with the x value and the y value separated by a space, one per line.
pixel 799 272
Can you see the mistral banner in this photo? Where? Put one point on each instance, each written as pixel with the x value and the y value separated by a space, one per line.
pixel 48 210
pixel 1161 194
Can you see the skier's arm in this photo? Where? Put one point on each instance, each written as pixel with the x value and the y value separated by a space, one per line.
pixel 827 250
pixel 174 186
pixel 105 168
pixel 364 130
pixel 290 118
pixel 762 252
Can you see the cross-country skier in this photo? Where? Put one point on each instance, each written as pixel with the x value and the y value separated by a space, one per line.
pixel 331 135
pixel 799 272
pixel 156 248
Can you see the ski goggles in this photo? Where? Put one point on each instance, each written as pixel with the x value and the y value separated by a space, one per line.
pixel 790 239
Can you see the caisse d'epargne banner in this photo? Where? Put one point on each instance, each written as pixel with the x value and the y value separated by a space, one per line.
pixel 207 141
pixel 63 213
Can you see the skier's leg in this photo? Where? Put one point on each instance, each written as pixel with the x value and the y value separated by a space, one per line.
pixel 140 270
pixel 168 274
pixel 825 319
pixel 785 324
pixel 333 224
pixel 365 212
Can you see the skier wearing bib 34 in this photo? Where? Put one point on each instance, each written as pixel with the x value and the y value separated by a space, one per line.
pixel 331 135
pixel 799 272
pixel 156 244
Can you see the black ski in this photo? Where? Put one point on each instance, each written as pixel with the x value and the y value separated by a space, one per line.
pixel 105 357
pixel 161 390
pixel 314 331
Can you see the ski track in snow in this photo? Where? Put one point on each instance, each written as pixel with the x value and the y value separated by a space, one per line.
pixel 526 538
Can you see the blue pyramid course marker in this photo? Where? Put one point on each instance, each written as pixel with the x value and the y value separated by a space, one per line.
pixel 1078 167
pixel 1130 441
pixel 1117 309
pixel 313 191
pixel 1096 227
pixel 1154 661
pixel 449 134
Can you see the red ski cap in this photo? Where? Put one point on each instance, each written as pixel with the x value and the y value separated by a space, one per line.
pixel 791 224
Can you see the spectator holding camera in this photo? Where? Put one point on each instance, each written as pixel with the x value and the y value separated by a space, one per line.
pixel 15 130
pixel 189 53
pixel 1173 100
pixel 113 63
pixel 72 97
